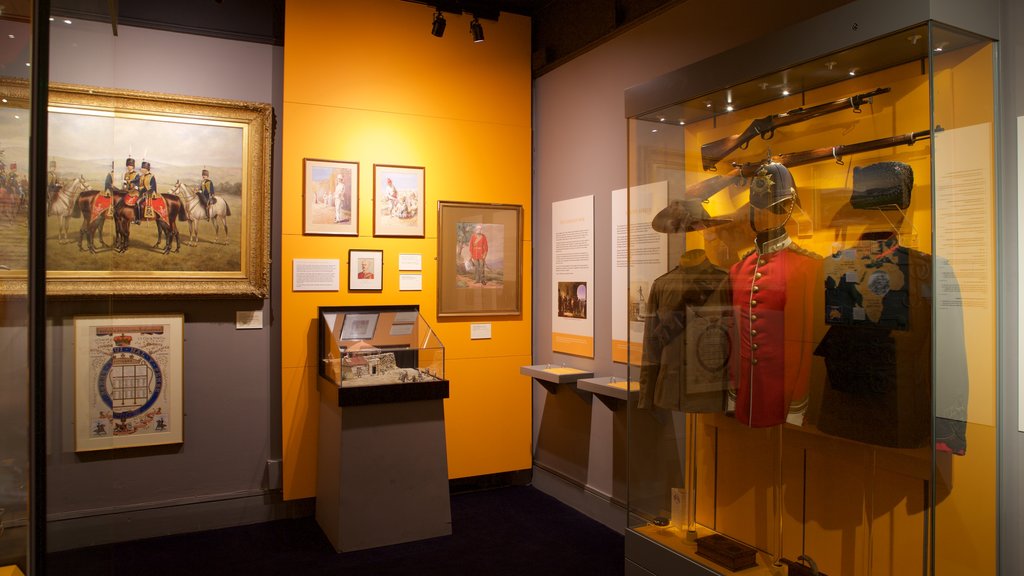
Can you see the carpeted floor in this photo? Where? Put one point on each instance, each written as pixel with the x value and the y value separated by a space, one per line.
pixel 503 531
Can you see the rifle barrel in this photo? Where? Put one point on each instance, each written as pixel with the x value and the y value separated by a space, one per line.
pixel 713 152
pixel 711 186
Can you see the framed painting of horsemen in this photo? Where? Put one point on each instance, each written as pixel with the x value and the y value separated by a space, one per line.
pixel 479 259
pixel 330 196
pixel 128 381
pixel 148 194
pixel 398 200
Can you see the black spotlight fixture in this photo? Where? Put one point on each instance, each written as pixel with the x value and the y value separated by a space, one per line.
pixel 437 29
pixel 476 30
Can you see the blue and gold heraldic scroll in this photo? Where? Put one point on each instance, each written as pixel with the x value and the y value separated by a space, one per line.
pixel 128 379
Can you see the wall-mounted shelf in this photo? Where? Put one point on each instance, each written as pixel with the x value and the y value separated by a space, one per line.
pixel 551 375
pixel 613 391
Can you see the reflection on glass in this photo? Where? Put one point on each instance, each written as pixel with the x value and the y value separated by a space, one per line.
pixel 15 35
pixel 852 290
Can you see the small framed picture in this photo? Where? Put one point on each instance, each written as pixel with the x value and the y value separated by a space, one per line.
pixel 365 269
pixel 359 326
pixel 398 200
pixel 330 192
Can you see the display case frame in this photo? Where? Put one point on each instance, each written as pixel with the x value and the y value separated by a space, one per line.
pixel 379 354
pixel 803 485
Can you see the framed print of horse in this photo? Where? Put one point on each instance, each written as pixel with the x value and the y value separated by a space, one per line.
pixel 129 173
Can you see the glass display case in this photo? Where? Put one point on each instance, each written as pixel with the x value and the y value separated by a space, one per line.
pixel 381 449
pixel 816 390
pixel 379 352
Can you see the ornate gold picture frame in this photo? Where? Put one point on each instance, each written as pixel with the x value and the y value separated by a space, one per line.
pixel 203 225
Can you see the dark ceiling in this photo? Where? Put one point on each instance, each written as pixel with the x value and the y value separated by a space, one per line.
pixel 562 29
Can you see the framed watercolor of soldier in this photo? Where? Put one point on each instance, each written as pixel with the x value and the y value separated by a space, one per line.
pixel 147 194
pixel 128 381
pixel 479 259
pixel 330 197
pixel 365 270
pixel 399 196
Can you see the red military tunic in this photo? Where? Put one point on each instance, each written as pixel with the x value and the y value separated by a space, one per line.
pixel 478 247
pixel 775 290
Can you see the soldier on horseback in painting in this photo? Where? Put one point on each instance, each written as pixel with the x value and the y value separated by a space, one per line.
pixel 147 187
pixel 108 182
pixel 52 185
pixel 130 185
pixel 206 192
pixel 13 180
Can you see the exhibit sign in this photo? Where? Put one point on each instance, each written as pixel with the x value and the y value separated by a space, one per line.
pixel 316 275
pixel 572 273
pixel 633 209
pixel 964 274
pixel 128 381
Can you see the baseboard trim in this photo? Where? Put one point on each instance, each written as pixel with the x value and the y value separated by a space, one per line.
pixel 108 526
pixel 594 504
pixel 489 481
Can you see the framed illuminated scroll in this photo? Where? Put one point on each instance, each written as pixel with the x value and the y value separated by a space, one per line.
pixel 128 381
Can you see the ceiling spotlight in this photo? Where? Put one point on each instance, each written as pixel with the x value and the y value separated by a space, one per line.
pixel 476 30
pixel 437 28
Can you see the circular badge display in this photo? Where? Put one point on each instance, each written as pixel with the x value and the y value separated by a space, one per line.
pixel 714 347
pixel 130 382
pixel 878 283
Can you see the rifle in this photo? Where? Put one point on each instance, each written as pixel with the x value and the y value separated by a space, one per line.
pixel 712 152
pixel 707 188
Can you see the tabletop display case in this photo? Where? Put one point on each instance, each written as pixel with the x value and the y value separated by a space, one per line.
pixel 378 353
pixel 382 467
pixel 808 398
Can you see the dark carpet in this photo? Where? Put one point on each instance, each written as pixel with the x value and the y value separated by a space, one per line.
pixel 503 531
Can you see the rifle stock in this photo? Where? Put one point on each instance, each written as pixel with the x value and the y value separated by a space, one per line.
pixel 713 152
pixel 709 187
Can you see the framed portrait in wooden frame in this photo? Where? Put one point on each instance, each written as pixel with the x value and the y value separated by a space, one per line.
pixel 399 197
pixel 207 164
pixel 330 197
pixel 128 381
pixel 365 270
pixel 479 259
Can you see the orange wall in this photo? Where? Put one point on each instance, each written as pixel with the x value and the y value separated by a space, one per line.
pixel 364 81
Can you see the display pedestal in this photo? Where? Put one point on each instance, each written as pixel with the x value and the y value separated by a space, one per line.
pixel 382 470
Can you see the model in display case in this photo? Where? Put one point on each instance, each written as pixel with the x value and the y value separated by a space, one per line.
pixel 854 252
pixel 381 449
pixel 367 347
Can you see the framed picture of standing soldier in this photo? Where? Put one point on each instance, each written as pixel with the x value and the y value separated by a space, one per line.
pixel 148 194
pixel 330 193
pixel 479 259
